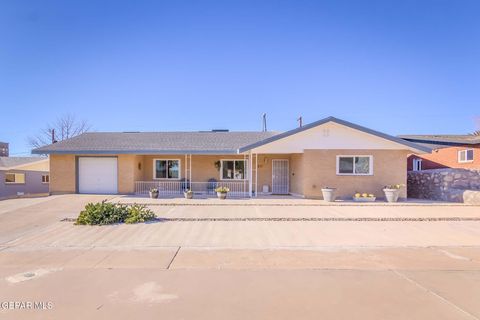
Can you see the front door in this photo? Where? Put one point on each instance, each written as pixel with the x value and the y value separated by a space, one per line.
pixel 280 176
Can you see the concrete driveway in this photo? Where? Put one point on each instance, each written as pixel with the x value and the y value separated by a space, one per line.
pixel 229 269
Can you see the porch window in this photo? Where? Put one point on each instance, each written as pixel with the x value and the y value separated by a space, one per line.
pixel 233 170
pixel 465 155
pixel 166 169
pixel 355 165
pixel 12 178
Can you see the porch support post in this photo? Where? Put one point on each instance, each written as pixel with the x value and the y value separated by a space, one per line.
pixel 250 174
pixel 186 171
pixel 256 175
pixel 190 183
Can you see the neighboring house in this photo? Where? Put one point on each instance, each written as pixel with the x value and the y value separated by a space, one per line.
pixel 3 149
pixel 23 176
pixel 330 152
pixel 448 151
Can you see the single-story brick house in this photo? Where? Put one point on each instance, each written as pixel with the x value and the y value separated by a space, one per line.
pixel 23 176
pixel 329 152
pixel 448 151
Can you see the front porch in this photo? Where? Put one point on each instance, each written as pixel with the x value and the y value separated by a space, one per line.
pixel 167 189
pixel 246 175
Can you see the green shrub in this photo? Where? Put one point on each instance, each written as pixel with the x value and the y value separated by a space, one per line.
pixel 139 213
pixel 104 212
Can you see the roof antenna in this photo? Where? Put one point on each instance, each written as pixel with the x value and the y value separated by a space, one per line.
pixel 264 121
pixel 300 121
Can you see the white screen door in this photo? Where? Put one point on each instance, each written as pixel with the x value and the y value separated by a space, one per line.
pixel 280 176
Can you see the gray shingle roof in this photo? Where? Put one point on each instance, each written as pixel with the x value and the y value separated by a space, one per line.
pixel 203 142
pixel 9 162
pixel 443 140
pixel 155 142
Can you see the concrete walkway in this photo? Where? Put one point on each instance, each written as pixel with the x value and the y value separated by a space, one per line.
pixel 271 201
pixel 240 269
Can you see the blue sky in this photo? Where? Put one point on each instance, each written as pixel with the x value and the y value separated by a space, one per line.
pixel 395 66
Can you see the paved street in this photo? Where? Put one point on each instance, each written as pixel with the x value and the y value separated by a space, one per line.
pixel 258 269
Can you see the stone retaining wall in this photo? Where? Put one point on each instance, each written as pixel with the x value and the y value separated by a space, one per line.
pixel 457 185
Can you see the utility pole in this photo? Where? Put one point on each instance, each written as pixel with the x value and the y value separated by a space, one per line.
pixel 53 136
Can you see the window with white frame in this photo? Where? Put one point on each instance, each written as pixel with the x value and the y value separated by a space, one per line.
pixel 465 155
pixel 355 165
pixel 45 178
pixel 233 170
pixel 166 169
pixel 417 164
pixel 15 178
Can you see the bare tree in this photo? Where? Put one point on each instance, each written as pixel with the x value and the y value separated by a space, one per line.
pixel 65 127
pixel 477 123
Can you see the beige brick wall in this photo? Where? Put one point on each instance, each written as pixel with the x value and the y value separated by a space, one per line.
pixel 62 173
pixel 308 172
pixel 389 167
pixel 128 172
pixel 296 173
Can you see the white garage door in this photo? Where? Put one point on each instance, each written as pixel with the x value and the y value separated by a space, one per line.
pixel 97 175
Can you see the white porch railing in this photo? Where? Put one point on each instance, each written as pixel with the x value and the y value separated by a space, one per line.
pixel 176 188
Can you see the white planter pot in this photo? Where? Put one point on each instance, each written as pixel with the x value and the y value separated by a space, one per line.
pixel 364 199
pixel 391 195
pixel 329 194
pixel 153 195
pixel 188 195
pixel 222 195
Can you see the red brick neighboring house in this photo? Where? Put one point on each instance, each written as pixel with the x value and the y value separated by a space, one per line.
pixel 448 151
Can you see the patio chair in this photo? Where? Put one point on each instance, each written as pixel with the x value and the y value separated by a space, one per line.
pixel 212 185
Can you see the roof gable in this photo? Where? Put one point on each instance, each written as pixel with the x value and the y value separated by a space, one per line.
pixel 331 133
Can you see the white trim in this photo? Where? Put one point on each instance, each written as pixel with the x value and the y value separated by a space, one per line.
pixel 466 152
pixel 250 171
pixel 256 175
pixel 167 178
pixel 370 167
pixel 190 170
pixel 245 174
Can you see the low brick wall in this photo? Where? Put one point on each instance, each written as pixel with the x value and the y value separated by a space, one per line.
pixel 457 185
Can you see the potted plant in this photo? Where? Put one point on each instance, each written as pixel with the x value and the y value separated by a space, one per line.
pixel 364 197
pixel 392 192
pixel 153 193
pixel 328 194
pixel 188 194
pixel 222 192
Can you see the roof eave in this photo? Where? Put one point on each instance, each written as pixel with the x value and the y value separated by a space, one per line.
pixel 113 152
